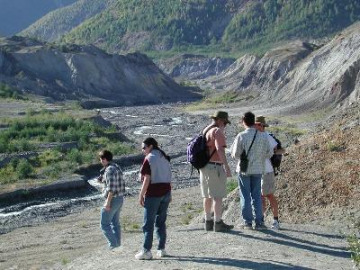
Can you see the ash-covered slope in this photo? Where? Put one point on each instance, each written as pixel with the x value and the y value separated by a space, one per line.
pixel 299 76
pixel 85 73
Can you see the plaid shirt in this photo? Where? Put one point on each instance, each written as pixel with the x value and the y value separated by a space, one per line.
pixel 114 181
pixel 259 152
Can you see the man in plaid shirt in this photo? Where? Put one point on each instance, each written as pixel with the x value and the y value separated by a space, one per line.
pixel 250 180
pixel 113 193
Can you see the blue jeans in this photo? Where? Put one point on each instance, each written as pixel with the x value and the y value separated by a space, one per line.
pixel 110 222
pixel 250 196
pixel 155 213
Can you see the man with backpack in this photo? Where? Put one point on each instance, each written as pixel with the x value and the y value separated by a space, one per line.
pixel 213 175
pixel 268 177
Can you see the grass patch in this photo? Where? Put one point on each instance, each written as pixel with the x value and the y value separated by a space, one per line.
pixel 231 185
pixel 334 147
pixel 129 225
pixel 212 100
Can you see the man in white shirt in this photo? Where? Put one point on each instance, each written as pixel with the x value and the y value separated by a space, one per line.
pixel 268 177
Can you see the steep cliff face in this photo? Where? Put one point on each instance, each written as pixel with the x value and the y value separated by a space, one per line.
pixel 299 76
pixel 86 73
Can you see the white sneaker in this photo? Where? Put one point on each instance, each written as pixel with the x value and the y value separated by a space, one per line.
pixel 161 253
pixel 275 225
pixel 144 255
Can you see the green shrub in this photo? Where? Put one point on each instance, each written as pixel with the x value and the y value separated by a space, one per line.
pixel 75 156
pixel 24 169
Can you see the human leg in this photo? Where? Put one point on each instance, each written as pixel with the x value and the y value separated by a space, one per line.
pixel 117 203
pixel 245 198
pixel 205 174
pixel 255 190
pixel 161 219
pixel 106 225
pixel 151 206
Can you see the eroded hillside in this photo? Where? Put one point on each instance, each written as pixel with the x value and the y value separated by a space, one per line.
pixel 85 74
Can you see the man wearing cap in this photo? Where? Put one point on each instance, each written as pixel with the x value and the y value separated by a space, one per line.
pixel 268 177
pixel 213 175
pixel 257 149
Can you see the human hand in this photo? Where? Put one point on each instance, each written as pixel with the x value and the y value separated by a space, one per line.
pixel 141 200
pixel 228 171
pixel 107 207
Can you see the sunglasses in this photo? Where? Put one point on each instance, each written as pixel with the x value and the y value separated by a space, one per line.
pixel 143 148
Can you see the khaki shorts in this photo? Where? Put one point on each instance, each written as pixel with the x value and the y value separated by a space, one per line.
pixel 268 184
pixel 213 181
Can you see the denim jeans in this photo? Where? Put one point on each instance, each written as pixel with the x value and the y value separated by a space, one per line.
pixel 250 196
pixel 155 213
pixel 110 222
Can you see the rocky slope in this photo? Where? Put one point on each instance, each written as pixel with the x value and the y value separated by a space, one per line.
pixel 299 76
pixel 86 74
pixel 192 67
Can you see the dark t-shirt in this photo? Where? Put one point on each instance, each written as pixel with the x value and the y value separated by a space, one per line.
pixel 154 190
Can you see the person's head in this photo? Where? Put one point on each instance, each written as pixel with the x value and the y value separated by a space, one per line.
pixel 260 123
pixel 148 145
pixel 220 118
pixel 105 157
pixel 248 119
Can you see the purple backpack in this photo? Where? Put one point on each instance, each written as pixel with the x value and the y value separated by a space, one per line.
pixel 197 151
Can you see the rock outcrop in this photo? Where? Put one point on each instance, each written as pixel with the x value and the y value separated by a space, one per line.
pixel 86 73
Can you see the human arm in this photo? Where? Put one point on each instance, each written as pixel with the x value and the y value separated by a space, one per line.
pixel 107 203
pixel 144 187
pixel 235 148
pixel 220 146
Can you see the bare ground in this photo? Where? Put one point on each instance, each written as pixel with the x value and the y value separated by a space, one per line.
pixel 76 242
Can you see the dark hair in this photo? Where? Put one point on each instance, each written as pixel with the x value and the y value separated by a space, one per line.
pixel 151 141
pixel 106 154
pixel 249 118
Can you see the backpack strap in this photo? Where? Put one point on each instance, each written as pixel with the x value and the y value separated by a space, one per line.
pixel 205 139
pixel 251 143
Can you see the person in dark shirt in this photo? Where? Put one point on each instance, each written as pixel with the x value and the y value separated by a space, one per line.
pixel 155 196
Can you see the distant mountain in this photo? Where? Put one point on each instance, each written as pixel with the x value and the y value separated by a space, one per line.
pixel 16 15
pixel 86 74
pixel 228 25
pixel 60 21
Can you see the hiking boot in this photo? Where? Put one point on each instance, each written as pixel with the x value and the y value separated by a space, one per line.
pixel 247 226
pixel 222 227
pixel 260 227
pixel 144 255
pixel 161 253
pixel 275 225
pixel 209 225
